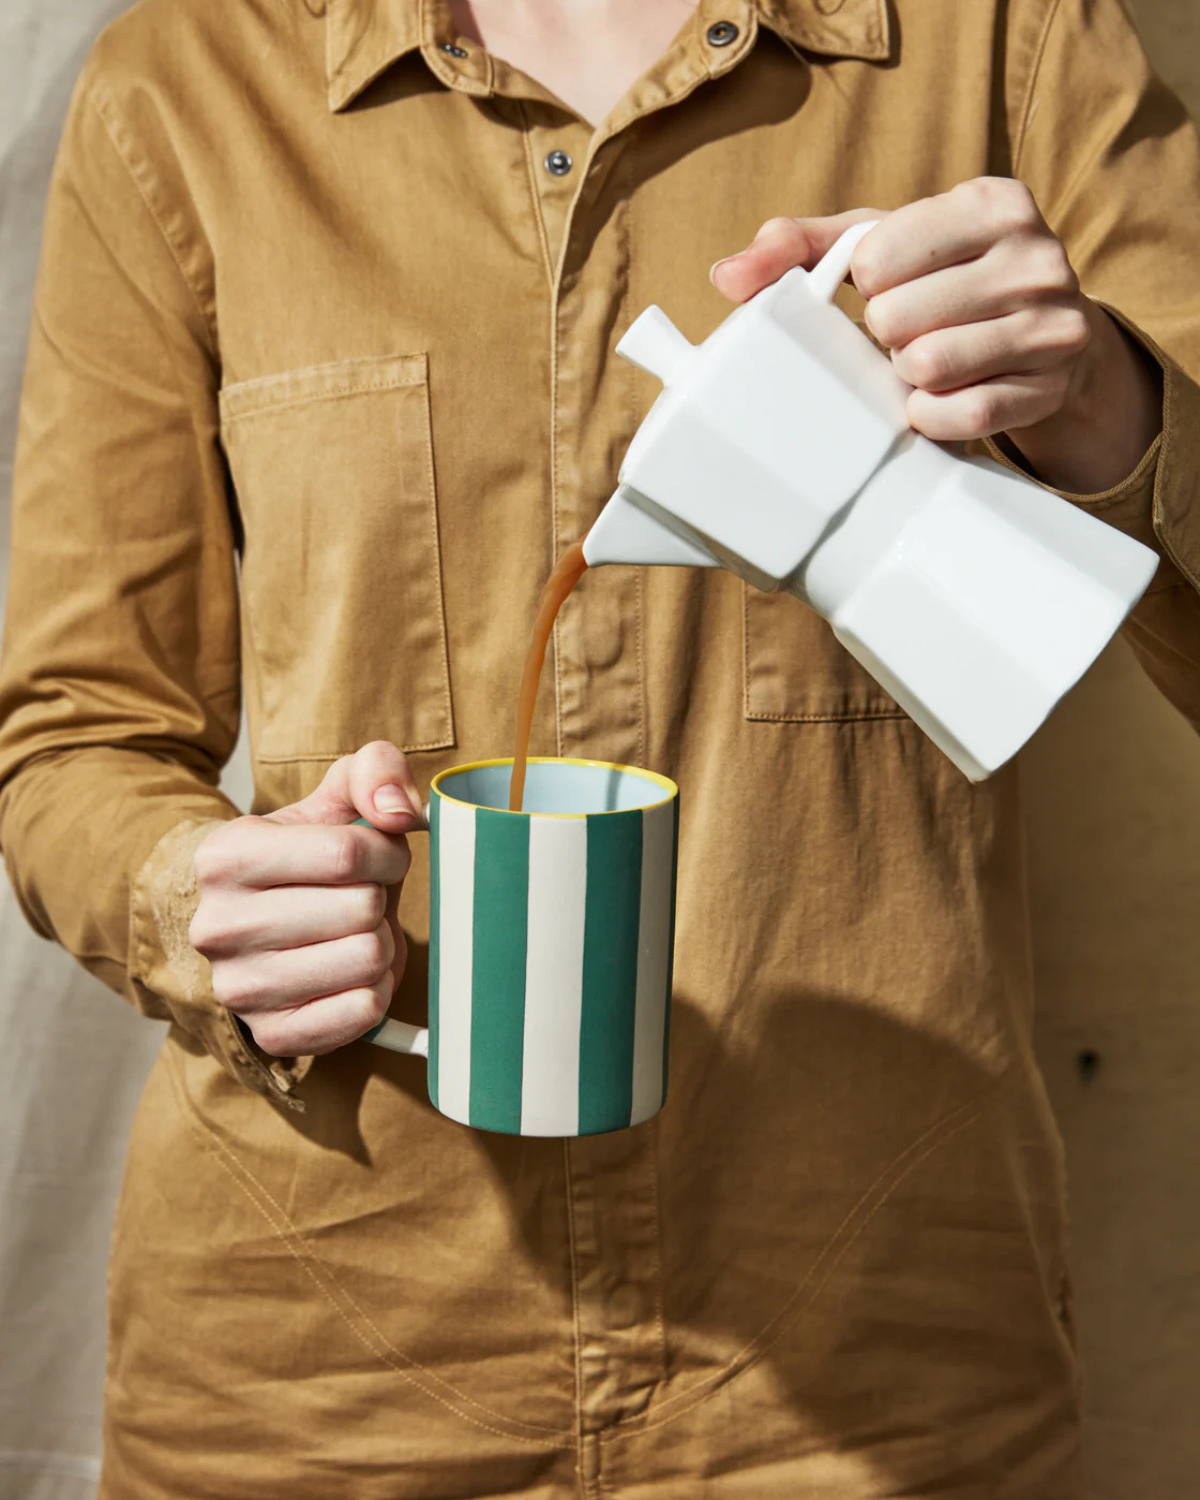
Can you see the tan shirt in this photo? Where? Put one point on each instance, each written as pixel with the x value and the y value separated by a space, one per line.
pixel 311 297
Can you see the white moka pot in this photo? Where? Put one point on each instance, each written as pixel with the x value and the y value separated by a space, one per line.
pixel 779 448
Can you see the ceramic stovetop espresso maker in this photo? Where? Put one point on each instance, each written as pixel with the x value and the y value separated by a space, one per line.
pixel 779 448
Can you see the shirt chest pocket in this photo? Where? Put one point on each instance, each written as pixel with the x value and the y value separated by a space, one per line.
pixel 345 632
pixel 797 671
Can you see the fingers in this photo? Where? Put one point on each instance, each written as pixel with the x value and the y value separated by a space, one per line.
pixel 322 1025
pixel 1022 343
pixel 1002 281
pixel 233 920
pixel 778 246
pixel 261 852
pixel 945 230
pixel 297 912
pixel 1001 405
pixel 375 783
pixel 253 983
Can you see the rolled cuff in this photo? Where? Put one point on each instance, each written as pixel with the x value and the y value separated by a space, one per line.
pixel 1154 503
pixel 170 978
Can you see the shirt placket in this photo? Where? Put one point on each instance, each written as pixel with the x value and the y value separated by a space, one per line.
pixel 582 189
pixel 611 1180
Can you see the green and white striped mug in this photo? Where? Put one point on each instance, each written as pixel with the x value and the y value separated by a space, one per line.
pixel 550 947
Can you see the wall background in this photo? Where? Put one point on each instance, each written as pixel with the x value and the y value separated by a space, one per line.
pixel 1113 802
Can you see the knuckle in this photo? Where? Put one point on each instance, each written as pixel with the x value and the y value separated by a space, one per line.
pixel 371 1007
pixel 203 933
pixel 926 366
pixel 369 905
pixel 868 265
pixel 204 862
pixel 1076 332
pixel 1080 333
pixel 1013 204
pixel 879 319
pixel 211 861
pixel 273 1035
pixel 379 749
pixel 342 854
pixel 372 953
pixel 226 990
pixel 1048 269
pixel 980 411
pixel 980 195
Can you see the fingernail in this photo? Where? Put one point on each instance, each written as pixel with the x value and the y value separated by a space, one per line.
pixel 716 266
pixel 392 799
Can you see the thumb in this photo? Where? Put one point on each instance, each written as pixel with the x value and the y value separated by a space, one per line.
pixel 778 246
pixel 375 783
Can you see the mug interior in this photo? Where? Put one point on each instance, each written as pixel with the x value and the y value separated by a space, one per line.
pixel 563 788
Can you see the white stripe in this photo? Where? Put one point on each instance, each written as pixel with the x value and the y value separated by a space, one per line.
pixel 554 975
pixel 654 934
pixel 456 896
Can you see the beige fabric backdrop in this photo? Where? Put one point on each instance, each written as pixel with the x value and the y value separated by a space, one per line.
pixel 1113 794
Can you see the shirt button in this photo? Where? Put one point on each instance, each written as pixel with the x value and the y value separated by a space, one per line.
pixel 454 49
pixel 558 163
pixel 721 33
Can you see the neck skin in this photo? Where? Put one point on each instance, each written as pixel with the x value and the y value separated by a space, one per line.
pixel 586 52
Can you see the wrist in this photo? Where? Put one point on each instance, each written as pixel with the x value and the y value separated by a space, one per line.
pixel 1112 415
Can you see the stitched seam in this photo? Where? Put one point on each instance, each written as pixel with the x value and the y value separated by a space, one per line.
pixel 658 1276
pixel 304 1256
pixel 756 716
pixel 104 108
pixel 746 651
pixel 269 406
pixel 328 367
pixel 531 174
pixel 626 229
pixel 332 755
pixel 554 534
pixel 431 491
pixel 903 1166
pixel 1039 53
pixel 852 717
pixel 579 1432
pixel 1157 519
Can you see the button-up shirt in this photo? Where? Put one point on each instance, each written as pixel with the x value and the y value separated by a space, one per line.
pixel 321 380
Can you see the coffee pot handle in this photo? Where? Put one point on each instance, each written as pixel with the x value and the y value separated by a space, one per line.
pixel 830 271
pixel 399 1036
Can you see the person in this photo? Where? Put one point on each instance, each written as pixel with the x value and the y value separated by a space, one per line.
pixel 321 380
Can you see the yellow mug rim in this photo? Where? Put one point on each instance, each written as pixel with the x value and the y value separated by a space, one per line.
pixel 669 786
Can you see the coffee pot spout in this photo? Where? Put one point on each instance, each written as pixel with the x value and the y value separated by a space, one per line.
pixel 632 529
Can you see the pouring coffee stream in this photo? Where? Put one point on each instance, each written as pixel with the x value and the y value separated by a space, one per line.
pixel 567 572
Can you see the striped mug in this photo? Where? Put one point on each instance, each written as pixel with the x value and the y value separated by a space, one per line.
pixel 550 947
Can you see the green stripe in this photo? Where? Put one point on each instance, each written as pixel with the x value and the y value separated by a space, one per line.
pixel 610 943
pixel 499 931
pixel 671 943
pixel 435 813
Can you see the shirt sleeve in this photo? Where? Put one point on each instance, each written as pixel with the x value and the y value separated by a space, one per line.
pixel 1113 161
pixel 120 679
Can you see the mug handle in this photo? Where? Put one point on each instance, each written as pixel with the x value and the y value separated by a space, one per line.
pixel 830 271
pixel 399 1036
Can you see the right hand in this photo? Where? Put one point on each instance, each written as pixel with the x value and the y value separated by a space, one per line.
pixel 297 912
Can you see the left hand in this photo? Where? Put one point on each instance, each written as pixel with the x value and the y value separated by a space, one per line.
pixel 977 302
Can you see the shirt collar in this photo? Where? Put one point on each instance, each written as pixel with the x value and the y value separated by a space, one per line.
pixel 364 37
